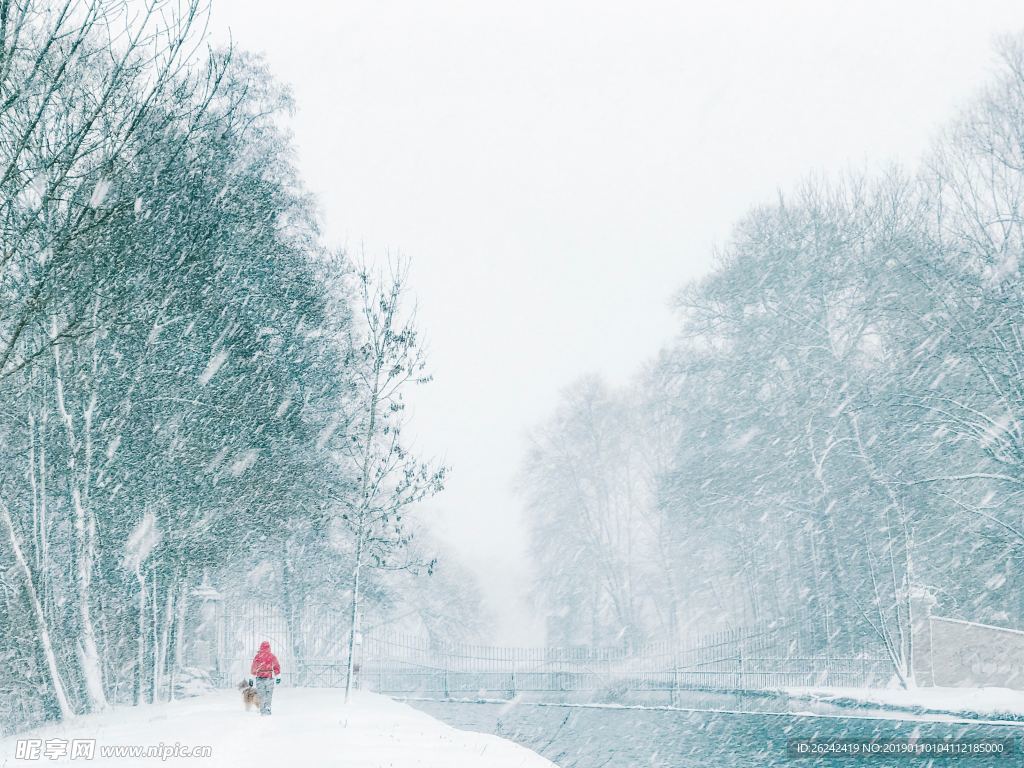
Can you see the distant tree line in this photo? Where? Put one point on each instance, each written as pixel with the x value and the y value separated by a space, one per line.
pixel 191 384
pixel 839 422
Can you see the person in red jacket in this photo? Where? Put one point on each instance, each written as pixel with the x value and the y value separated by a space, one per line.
pixel 267 671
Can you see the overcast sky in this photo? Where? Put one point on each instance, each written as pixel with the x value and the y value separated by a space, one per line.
pixel 556 170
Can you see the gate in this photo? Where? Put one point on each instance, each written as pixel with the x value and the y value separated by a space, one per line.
pixel 311 643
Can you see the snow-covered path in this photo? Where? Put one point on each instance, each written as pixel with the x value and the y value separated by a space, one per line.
pixel 309 728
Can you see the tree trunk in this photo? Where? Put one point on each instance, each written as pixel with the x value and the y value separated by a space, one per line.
pixel 45 641
pixel 140 662
pixel 44 542
pixel 165 637
pixel 88 651
pixel 354 617
pixel 85 554
pixel 154 685
pixel 180 631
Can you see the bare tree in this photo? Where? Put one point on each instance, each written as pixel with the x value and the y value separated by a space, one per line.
pixel 386 480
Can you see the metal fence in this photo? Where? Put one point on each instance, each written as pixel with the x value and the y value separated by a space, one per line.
pixel 313 651
pixel 757 658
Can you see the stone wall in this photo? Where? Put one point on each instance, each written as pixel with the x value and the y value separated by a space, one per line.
pixel 968 655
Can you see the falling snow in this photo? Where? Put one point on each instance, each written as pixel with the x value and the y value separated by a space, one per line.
pixel 801 515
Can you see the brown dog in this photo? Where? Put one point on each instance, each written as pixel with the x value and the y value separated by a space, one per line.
pixel 249 696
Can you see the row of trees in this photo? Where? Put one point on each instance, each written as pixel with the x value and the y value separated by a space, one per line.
pixel 191 384
pixel 837 427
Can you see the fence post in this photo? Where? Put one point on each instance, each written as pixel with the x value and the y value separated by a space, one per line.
pixel 743 677
pixel 922 601
pixel 674 696
pixel 207 635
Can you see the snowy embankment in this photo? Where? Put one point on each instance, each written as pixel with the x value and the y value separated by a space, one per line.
pixel 997 703
pixel 309 728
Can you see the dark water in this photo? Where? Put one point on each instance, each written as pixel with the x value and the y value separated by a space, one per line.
pixel 586 737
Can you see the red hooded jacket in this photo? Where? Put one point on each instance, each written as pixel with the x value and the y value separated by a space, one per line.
pixel 265 664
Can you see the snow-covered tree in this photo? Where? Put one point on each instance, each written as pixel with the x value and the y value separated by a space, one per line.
pixel 843 401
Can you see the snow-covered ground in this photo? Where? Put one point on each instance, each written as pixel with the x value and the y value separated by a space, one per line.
pixel 982 701
pixel 309 728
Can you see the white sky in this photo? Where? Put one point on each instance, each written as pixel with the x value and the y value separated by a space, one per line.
pixel 556 170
